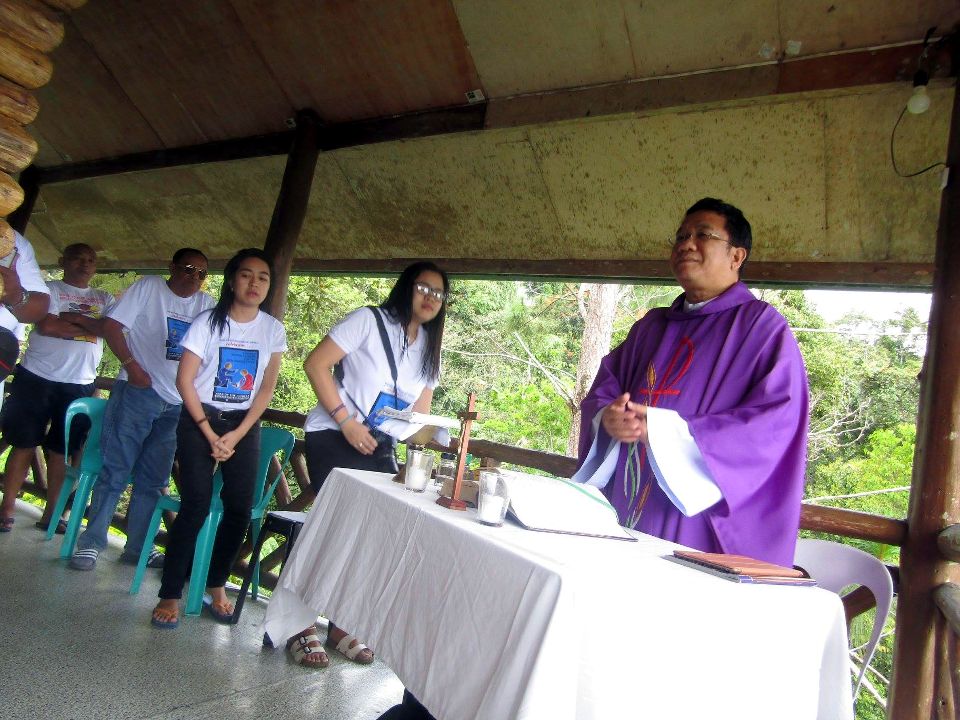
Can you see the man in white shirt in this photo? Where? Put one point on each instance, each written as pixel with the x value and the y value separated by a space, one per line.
pixel 59 366
pixel 138 436
pixel 25 299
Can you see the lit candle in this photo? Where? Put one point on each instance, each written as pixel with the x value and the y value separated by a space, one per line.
pixel 415 478
pixel 490 510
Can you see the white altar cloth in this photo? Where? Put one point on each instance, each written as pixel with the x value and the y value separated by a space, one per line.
pixel 494 623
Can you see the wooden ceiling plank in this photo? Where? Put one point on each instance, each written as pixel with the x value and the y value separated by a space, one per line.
pixel 822 26
pixel 537 45
pixel 351 60
pixel 189 67
pixel 84 113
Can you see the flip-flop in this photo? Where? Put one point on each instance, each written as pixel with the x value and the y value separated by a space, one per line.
pixel 6 524
pixel 165 624
pixel 219 615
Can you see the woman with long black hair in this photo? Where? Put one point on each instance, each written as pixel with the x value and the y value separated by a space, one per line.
pixel 386 356
pixel 226 378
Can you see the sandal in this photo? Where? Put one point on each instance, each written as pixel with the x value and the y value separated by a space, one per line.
pixel 359 653
pixel 6 524
pixel 222 612
pixel 170 623
pixel 61 526
pixel 301 647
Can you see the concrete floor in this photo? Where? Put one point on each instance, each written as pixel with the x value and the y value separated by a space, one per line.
pixel 77 645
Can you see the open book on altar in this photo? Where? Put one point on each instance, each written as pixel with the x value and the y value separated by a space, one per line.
pixel 550 504
pixel 402 424
pixel 742 569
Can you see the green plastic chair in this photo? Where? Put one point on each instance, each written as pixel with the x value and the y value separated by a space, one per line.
pixel 81 478
pixel 272 441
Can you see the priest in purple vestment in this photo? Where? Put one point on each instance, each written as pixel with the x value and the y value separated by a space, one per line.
pixel 696 426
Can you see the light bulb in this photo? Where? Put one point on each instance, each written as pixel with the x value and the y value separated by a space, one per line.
pixel 919 101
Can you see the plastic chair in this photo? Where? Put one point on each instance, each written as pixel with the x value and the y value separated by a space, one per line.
pixel 835 566
pixel 282 441
pixel 85 476
pixel 272 441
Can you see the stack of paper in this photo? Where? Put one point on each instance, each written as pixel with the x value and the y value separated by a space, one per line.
pixel 403 424
pixel 551 504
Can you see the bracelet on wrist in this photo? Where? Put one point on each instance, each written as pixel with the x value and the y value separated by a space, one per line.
pixel 202 420
pixel 337 409
pixel 128 361
pixel 24 297
pixel 343 422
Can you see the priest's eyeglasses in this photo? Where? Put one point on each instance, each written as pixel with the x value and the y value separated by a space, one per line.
pixel 700 237
pixel 428 291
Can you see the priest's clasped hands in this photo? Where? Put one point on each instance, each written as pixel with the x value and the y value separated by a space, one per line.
pixel 625 421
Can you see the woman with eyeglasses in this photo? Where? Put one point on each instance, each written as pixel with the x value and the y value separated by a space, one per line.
pixel 386 356
pixel 220 423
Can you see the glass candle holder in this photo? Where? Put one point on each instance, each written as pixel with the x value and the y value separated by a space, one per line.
pixel 492 498
pixel 418 468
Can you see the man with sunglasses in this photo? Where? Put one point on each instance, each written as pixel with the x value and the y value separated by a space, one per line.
pixel 696 426
pixel 138 436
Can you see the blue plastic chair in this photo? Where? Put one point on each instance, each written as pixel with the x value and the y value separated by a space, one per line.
pixel 83 477
pixel 272 441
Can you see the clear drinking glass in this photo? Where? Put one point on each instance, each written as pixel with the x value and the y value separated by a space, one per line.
pixel 492 498
pixel 446 470
pixel 417 473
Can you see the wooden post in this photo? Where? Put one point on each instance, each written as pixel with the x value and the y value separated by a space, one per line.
pixel 935 490
pixel 291 207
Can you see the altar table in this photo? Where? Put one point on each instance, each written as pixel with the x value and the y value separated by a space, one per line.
pixel 491 623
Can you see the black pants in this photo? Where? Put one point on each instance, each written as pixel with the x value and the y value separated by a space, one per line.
pixel 327 449
pixel 196 492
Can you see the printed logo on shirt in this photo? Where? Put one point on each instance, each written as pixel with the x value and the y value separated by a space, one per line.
pixel 236 374
pixel 81 307
pixel 176 329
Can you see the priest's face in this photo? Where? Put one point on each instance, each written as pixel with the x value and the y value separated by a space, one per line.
pixel 703 260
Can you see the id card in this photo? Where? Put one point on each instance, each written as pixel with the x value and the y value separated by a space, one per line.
pixel 374 418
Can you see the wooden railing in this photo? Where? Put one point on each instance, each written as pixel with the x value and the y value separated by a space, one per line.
pixel 947 630
pixel 835 521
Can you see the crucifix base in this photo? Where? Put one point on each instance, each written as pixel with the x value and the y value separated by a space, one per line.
pixel 451 503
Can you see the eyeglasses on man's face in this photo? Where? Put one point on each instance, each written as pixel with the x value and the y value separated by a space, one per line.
pixel 700 236
pixel 428 291
pixel 192 270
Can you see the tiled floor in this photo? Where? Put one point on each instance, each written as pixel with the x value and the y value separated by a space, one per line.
pixel 78 646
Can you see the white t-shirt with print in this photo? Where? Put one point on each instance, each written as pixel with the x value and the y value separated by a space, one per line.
pixel 156 319
pixel 72 360
pixel 366 370
pixel 232 363
pixel 30 279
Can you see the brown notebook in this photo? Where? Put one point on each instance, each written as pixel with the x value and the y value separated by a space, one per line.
pixel 741 568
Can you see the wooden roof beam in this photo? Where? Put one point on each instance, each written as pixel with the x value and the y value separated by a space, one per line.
pixel 329 137
pixel 777 77
pixel 823 274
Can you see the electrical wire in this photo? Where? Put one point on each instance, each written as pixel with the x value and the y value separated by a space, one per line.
pixel 893 157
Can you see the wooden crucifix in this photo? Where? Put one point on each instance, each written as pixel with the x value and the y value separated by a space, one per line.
pixel 466 420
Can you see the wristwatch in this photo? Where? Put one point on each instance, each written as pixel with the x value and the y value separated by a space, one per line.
pixel 24 297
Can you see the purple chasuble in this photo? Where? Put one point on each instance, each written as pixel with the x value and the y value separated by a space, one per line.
pixel 732 370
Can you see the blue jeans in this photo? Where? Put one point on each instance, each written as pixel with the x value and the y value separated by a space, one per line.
pixel 138 438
